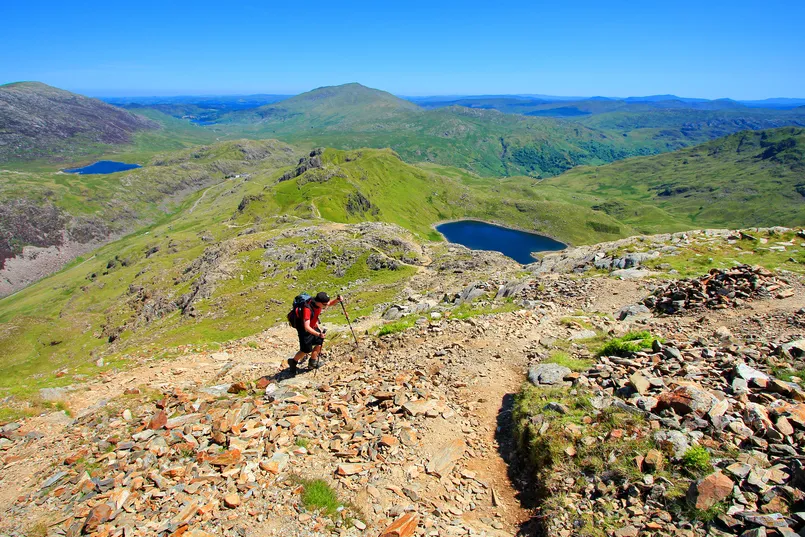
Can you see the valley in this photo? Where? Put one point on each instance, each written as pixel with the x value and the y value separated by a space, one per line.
pixel 143 380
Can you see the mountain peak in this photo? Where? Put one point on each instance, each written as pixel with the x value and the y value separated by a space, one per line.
pixel 346 95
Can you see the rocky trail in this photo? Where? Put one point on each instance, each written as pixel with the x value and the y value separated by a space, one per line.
pixel 412 431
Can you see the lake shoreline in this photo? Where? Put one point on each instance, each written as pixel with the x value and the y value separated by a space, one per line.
pixel 565 245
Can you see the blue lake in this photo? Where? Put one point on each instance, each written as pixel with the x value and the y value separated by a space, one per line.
pixel 103 167
pixel 510 242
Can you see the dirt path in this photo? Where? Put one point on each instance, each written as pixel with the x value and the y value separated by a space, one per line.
pixel 473 368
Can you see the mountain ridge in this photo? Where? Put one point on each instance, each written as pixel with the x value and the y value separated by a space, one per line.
pixel 40 121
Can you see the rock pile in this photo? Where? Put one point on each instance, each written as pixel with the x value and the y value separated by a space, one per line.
pixel 710 393
pixel 216 463
pixel 719 289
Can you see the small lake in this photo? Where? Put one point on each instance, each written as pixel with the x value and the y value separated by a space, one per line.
pixel 103 167
pixel 510 242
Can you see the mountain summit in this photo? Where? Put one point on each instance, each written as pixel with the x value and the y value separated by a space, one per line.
pixel 37 120
pixel 346 95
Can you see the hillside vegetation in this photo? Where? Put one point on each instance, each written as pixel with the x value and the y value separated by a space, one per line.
pixel 752 178
pixel 39 121
pixel 227 262
pixel 74 212
pixel 482 141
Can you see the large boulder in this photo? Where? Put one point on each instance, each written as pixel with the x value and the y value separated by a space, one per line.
pixel 547 374
pixel 705 493
pixel 687 399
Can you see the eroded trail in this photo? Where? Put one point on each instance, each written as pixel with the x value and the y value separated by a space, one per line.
pixel 415 422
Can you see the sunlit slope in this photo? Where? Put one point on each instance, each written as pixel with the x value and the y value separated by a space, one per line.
pixel 486 142
pixel 752 178
pixel 229 260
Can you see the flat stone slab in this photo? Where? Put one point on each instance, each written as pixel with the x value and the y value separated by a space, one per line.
pixel 547 374
pixel 444 460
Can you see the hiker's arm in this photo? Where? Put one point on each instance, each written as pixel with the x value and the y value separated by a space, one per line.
pixel 310 330
pixel 334 301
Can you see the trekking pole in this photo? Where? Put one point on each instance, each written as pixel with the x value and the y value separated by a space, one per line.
pixel 344 309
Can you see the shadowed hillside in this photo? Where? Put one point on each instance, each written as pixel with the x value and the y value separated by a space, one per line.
pixel 39 121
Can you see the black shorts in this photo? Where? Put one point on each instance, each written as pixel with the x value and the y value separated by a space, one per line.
pixel 308 341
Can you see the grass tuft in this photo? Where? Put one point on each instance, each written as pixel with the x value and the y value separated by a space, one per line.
pixel 318 495
pixel 627 344
pixel 696 461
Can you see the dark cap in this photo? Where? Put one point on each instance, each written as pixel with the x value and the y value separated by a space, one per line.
pixel 322 298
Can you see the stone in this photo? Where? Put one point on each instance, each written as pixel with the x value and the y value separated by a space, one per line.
pixel 404 526
pixel 719 409
pixel 97 516
pixel 639 383
pixel 687 399
pixel 53 394
pixel 557 407
pixel 443 460
pixel 227 458
pixel 158 420
pixel 348 469
pixel 723 333
pixel 633 312
pixel 419 407
pixel 705 493
pixel 630 273
pixel 676 440
pixel 582 334
pixel 654 461
pixel 626 531
pixel 749 373
pixel 238 387
pixel 232 500
pixel 756 532
pixel 772 520
pixel 547 374
pixel 794 349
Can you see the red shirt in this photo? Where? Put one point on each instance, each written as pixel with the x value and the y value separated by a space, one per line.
pixel 311 314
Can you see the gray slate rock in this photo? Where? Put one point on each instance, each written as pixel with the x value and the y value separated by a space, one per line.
pixel 635 311
pixel 547 374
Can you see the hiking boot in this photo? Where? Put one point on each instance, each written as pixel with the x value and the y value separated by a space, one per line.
pixel 292 366
pixel 315 364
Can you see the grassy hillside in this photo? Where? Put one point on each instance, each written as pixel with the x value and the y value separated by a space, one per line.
pixel 482 141
pixel 53 208
pixel 41 126
pixel 227 262
pixel 39 121
pixel 752 178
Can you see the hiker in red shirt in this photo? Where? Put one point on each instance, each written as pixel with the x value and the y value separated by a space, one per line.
pixel 311 336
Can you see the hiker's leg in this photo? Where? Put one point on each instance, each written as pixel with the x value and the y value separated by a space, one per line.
pixel 299 356
pixel 315 354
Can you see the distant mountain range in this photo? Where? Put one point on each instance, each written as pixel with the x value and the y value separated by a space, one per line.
pixel 488 135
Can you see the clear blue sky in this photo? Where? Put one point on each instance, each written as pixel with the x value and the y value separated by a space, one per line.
pixel 702 48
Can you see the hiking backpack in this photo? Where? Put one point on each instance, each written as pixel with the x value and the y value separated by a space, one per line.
pixel 295 315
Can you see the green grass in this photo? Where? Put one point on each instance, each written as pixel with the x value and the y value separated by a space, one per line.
pixel 399 325
pixel 318 495
pixel 302 442
pixel 627 344
pixel 744 180
pixel 554 445
pixel 696 461
pixel 564 359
